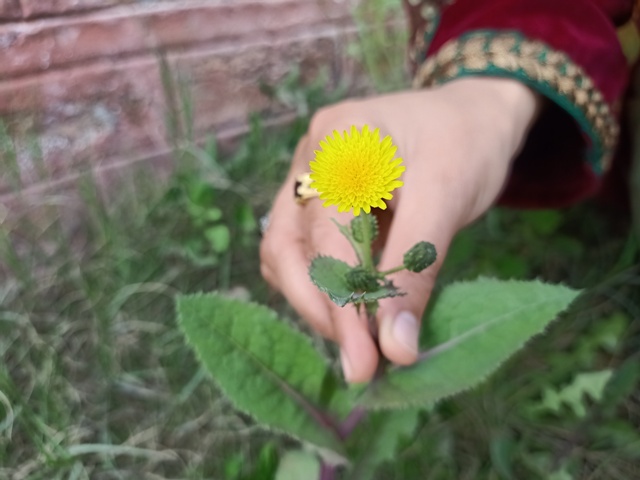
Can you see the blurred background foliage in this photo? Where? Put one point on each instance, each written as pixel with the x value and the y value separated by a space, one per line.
pixel 96 381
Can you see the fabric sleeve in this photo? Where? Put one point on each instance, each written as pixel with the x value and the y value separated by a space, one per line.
pixel 569 52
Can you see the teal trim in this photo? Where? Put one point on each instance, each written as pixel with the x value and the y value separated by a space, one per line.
pixel 596 151
pixel 431 32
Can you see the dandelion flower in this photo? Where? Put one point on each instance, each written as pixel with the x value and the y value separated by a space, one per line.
pixel 356 170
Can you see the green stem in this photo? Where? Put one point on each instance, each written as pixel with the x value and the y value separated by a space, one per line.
pixel 371 309
pixel 367 258
pixel 399 268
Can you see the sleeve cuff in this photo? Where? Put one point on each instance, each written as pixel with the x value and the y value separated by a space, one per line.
pixel 552 73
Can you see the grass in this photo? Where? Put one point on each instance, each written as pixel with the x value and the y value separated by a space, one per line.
pixel 96 381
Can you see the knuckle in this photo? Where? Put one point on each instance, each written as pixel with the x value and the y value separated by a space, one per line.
pixel 268 276
pixel 335 117
pixel 267 251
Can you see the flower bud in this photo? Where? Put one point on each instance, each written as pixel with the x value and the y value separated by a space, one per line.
pixel 361 280
pixel 420 256
pixel 359 223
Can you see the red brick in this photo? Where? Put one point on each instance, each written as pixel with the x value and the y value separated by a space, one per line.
pixel 10 9
pixel 35 8
pixel 83 118
pixel 57 43
pixel 91 117
pixel 88 87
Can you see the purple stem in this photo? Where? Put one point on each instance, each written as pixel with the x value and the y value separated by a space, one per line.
pixel 347 427
pixel 327 472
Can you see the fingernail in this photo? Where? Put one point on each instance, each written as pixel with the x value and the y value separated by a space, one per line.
pixel 346 365
pixel 405 331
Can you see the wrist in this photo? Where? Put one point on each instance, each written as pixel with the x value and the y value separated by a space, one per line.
pixel 500 108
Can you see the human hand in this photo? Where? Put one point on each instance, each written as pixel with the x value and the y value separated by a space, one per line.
pixel 457 143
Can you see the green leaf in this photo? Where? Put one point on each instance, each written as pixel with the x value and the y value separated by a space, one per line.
pixel 617 435
pixel 502 448
pixel 329 275
pixel 624 381
pixel 201 194
pixel 590 384
pixel 297 465
pixel 219 238
pixel 376 440
pixel 264 367
pixel 543 222
pixel 266 465
pixel 562 474
pixel 245 218
pixel 472 329
pixel 233 466
pixel 213 214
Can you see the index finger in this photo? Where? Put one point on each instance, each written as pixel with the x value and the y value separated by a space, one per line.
pixel 285 256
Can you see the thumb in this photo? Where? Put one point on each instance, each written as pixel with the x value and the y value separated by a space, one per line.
pixel 399 318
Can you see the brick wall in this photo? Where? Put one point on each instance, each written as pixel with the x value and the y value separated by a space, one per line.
pixel 83 76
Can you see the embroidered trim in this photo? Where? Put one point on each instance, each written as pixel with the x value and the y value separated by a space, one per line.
pixel 551 72
pixel 426 15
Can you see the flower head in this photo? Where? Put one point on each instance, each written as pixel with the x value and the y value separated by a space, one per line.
pixel 356 170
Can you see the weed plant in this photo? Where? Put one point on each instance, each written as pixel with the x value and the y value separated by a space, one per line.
pixel 96 381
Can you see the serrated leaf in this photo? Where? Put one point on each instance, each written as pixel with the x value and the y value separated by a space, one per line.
pixel 590 384
pixel 329 275
pixel 473 328
pixel 264 367
pixel 377 440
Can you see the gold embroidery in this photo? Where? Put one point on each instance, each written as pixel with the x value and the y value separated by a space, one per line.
pixel 424 18
pixel 502 44
pixel 566 85
pixel 581 97
pixel 474 47
pixel 511 53
pixel 428 12
pixel 447 53
pixel 476 62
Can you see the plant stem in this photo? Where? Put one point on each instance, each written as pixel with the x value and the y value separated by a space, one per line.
pixel 399 268
pixel 367 259
pixel 371 308
pixel 327 472
pixel 351 422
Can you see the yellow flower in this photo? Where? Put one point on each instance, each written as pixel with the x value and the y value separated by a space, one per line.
pixel 356 170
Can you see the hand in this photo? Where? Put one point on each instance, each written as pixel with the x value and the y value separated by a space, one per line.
pixel 457 142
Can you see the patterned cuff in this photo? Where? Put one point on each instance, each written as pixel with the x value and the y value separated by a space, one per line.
pixel 548 71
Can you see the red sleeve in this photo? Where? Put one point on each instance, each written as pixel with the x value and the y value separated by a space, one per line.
pixel 569 52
